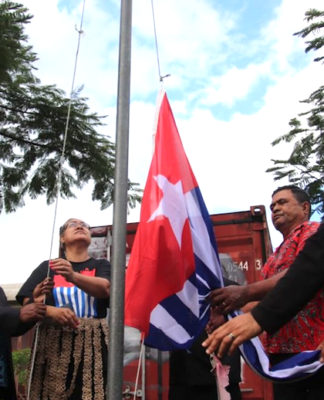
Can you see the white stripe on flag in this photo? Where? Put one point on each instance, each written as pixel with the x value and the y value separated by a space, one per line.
pixel 65 295
pixel 86 306
pixel 202 280
pixel 200 236
pixel 92 309
pixel 281 373
pixel 162 320
pixel 189 296
pixel 79 294
pixel 284 373
pixel 59 297
pixel 74 297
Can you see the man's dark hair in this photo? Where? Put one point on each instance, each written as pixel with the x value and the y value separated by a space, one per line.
pixel 300 194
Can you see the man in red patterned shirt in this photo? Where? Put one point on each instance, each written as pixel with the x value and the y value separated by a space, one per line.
pixel 291 210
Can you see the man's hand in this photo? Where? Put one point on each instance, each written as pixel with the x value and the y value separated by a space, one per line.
pixel 32 312
pixel 63 316
pixel 215 321
pixel 42 290
pixel 232 334
pixel 229 298
pixel 63 268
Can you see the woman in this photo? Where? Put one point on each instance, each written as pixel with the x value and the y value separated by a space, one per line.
pixel 72 347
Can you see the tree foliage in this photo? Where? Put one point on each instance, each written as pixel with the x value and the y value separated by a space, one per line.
pixel 32 126
pixel 20 359
pixel 305 166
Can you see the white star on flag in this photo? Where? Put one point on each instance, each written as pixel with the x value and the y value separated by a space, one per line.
pixel 172 205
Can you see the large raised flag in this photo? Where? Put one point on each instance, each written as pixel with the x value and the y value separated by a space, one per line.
pixel 172 264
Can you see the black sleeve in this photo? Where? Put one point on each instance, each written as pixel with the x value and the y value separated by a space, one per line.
pixel 297 287
pixel 10 323
pixel 36 277
pixel 103 268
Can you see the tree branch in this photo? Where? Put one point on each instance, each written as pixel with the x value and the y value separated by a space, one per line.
pixel 19 110
pixel 12 137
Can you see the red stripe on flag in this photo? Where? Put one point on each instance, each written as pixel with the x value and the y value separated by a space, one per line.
pixel 158 266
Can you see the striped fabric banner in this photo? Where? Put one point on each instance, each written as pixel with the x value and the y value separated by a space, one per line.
pixel 174 262
pixel 84 305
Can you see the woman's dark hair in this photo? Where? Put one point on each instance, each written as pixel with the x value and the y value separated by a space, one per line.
pixel 62 230
pixel 64 226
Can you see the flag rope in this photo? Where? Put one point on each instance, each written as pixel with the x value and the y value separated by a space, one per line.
pixel 59 180
pixel 139 367
pixel 156 46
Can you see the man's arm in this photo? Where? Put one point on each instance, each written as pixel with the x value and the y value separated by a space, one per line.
pixel 9 319
pixel 15 321
pixel 232 298
pixel 301 282
pixel 299 285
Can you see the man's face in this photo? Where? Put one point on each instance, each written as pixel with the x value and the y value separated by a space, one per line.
pixel 287 212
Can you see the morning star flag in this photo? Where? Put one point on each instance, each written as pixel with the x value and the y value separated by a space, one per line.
pixel 300 366
pixel 172 264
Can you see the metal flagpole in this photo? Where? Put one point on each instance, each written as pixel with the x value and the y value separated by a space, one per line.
pixel 117 292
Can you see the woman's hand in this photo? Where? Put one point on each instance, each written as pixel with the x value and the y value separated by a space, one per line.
pixel 63 268
pixel 63 316
pixel 229 336
pixel 42 290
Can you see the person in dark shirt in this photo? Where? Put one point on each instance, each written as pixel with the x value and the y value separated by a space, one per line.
pixel 13 322
pixel 191 373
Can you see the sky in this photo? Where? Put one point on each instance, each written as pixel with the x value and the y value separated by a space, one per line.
pixel 237 75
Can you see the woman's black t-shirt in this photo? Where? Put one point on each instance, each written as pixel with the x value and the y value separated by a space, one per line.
pixel 66 294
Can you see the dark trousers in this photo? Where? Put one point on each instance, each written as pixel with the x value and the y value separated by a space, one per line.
pixel 311 388
pixel 200 392
pixel 235 391
pixel 194 392
pixel 5 394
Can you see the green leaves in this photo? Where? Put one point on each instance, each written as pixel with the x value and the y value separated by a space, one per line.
pixel 315 28
pixel 305 166
pixel 20 363
pixel 32 126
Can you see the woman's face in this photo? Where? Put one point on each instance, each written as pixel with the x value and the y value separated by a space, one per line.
pixel 75 230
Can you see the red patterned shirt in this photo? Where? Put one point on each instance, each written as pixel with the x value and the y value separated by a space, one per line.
pixel 306 330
